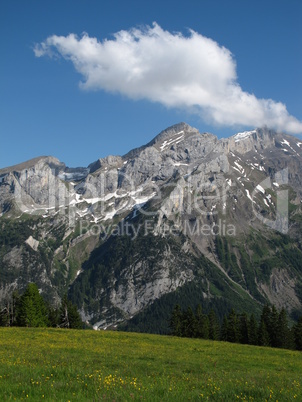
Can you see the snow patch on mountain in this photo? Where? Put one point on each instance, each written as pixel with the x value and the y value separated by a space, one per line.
pixel 241 170
pixel 260 188
pixel 248 195
pixel 171 141
pixel 285 142
pixel 244 135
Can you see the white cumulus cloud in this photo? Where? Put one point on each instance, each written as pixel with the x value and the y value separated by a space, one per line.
pixel 192 72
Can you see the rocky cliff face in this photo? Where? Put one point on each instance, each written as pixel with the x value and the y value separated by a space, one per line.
pixel 190 208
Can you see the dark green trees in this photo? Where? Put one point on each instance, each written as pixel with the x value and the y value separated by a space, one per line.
pixel 32 311
pixel 263 331
pixel 214 328
pixel 244 329
pixel 273 329
pixel 297 330
pixel 189 324
pixel 192 325
pixel 232 327
pixel 198 325
pixel 263 336
pixel 253 331
pixel 69 316
pixel 202 324
pixel 176 321
pixel 283 337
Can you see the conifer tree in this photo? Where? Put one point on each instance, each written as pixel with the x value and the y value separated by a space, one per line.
pixel 273 327
pixel 265 324
pixel 263 336
pixel 253 331
pixel 232 327
pixel 53 316
pixel 176 321
pixel 202 323
pixel 69 315
pixel 298 334
pixel 189 323
pixel 243 324
pixel 283 332
pixel 32 311
pixel 214 328
pixel 266 314
pixel 224 329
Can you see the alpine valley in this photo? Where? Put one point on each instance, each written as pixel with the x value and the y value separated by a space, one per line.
pixel 186 219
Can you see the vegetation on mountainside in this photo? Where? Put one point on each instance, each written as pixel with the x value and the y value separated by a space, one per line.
pixel 109 268
pixel 257 257
pixel 58 261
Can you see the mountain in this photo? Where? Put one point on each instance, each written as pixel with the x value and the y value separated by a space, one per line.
pixel 186 219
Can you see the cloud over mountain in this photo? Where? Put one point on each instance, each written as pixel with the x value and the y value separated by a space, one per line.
pixel 191 72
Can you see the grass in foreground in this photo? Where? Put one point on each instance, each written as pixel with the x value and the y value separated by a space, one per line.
pixel 66 365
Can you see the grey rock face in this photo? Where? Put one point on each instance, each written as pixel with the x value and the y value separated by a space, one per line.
pixel 33 243
pixel 34 185
pixel 183 180
pixel 258 139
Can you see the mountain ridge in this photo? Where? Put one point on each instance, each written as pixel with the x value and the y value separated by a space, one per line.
pixel 185 213
pixel 166 133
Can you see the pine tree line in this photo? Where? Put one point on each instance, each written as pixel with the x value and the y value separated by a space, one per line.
pixel 271 330
pixel 31 310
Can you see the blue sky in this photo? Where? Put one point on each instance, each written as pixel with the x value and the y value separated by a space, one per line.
pixel 246 51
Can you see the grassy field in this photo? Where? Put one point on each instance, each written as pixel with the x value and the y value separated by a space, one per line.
pixel 67 365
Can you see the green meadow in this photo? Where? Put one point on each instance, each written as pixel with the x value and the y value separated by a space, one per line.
pixel 76 365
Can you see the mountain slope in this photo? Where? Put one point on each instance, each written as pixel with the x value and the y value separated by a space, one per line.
pixel 185 213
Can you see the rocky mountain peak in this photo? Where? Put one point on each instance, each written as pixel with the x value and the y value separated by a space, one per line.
pixel 246 141
pixel 190 209
pixel 169 134
pixel 38 161
pixel 108 161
